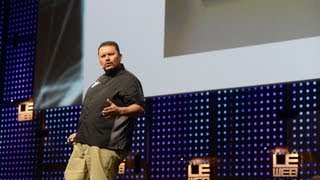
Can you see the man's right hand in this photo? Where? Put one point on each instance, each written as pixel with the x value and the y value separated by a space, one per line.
pixel 71 139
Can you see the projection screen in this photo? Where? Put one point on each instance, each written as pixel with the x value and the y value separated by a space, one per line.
pixel 178 46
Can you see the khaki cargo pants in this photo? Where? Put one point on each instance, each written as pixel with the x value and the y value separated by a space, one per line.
pixel 91 162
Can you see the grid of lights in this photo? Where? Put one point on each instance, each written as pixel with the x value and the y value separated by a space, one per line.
pixel 18 71
pixel 2 19
pixel 179 132
pixel 247 128
pixel 19 144
pixel 2 15
pixel 59 123
pixel 305 126
pixel 22 19
pixel 20 50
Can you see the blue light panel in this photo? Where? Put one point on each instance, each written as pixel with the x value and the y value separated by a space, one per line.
pixel 19 142
pixel 59 124
pixel 2 60
pixel 18 71
pixel 2 19
pixel 179 132
pixel 246 129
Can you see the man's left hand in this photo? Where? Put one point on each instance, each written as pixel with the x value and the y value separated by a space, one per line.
pixel 111 110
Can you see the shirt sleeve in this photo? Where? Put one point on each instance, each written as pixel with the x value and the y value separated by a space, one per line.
pixel 133 93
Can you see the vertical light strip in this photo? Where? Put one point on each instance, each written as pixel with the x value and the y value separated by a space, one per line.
pixel 305 126
pixel 20 50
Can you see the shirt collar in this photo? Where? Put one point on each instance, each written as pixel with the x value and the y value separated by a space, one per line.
pixel 114 71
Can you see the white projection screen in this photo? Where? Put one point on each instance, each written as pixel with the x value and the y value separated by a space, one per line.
pixel 179 46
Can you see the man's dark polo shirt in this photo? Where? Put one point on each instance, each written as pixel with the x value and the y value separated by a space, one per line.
pixel 123 89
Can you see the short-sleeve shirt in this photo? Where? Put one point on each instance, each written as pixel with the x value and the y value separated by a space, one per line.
pixel 123 89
